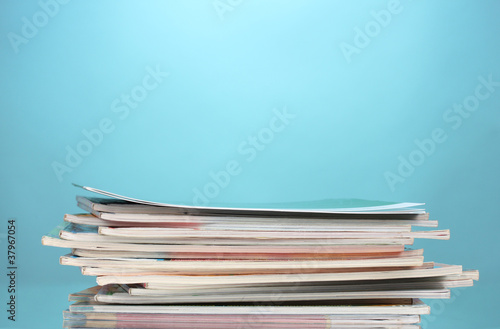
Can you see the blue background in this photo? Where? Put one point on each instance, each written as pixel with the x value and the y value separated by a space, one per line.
pixel 231 64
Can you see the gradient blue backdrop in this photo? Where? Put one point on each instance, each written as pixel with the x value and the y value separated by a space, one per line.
pixel 231 64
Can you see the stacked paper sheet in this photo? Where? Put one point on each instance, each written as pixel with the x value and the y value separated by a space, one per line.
pixel 336 264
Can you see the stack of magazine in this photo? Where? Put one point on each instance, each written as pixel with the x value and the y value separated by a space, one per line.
pixel 325 264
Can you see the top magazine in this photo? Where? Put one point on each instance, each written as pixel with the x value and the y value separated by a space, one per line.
pixel 116 203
